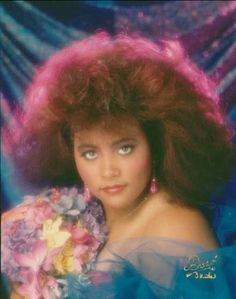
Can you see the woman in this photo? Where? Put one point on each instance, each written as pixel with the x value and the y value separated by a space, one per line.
pixel 138 125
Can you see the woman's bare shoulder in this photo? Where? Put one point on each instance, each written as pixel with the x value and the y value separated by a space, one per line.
pixel 183 223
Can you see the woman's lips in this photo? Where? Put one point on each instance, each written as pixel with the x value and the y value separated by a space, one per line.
pixel 113 189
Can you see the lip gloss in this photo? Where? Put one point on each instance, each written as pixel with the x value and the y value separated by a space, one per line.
pixel 114 189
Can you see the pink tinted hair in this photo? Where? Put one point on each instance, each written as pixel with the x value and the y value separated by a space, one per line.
pixel 102 78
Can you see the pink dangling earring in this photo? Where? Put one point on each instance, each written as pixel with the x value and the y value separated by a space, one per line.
pixel 154 186
pixel 87 194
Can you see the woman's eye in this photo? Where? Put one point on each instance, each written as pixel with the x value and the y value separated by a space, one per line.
pixel 126 149
pixel 90 155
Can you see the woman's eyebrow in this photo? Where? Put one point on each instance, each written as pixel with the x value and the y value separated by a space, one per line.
pixel 122 140
pixel 92 145
pixel 86 145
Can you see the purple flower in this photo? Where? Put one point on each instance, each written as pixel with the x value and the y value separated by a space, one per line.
pixel 95 210
pixel 11 268
pixel 71 203
pixel 93 218
pixel 17 238
pixel 22 237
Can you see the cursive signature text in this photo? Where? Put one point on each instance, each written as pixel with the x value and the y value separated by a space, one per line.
pixel 200 269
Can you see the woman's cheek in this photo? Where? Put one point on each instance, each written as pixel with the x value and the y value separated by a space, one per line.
pixel 140 164
pixel 87 172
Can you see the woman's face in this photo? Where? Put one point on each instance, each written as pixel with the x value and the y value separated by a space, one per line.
pixel 115 164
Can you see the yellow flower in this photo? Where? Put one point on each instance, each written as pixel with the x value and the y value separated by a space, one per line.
pixel 64 261
pixel 51 232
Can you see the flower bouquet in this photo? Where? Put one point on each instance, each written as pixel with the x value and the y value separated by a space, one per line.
pixel 49 237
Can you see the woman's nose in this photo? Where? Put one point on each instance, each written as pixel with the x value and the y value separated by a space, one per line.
pixel 110 168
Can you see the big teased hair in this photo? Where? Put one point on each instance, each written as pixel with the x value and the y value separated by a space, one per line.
pixel 104 77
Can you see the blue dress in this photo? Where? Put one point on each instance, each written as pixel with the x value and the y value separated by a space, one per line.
pixel 151 267
pixel 163 269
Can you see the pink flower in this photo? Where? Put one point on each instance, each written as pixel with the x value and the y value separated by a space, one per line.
pixel 38 285
pixel 55 197
pixel 78 234
pixel 81 255
pixel 38 258
pixel 38 213
pixel 34 259
pixel 81 236
pixel 30 287
pixel 48 262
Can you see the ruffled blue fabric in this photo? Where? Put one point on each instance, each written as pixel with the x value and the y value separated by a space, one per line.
pixel 155 268
pixel 151 267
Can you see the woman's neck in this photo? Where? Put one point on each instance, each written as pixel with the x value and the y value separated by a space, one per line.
pixel 117 217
